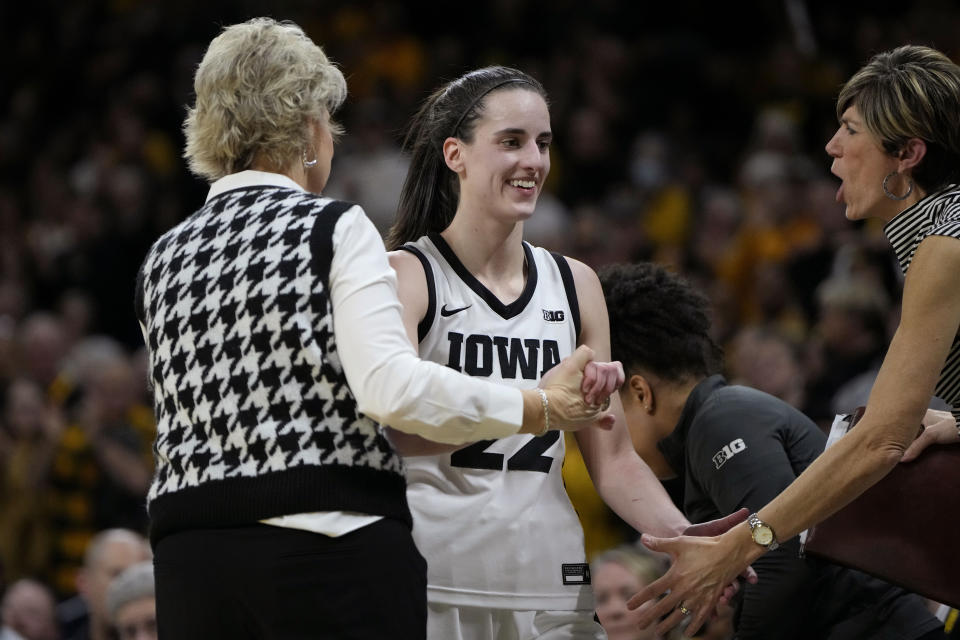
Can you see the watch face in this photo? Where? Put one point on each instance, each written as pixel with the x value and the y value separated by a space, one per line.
pixel 763 535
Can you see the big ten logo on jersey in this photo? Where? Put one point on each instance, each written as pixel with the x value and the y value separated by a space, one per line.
pixel 527 358
pixel 553 316
pixel 728 451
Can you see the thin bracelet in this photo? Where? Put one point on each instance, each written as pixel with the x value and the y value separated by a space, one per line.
pixel 546 412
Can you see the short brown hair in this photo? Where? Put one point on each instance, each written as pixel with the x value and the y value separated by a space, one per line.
pixel 911 92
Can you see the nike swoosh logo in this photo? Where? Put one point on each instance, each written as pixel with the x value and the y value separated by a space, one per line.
pixel 449 312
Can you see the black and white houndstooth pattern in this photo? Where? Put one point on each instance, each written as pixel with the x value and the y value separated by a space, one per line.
pixel 243 358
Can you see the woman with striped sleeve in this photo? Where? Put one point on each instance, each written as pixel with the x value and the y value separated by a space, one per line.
pixel 897 152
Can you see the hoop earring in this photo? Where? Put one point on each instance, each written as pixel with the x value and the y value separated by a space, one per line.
pixel 309 164
pixel 887 193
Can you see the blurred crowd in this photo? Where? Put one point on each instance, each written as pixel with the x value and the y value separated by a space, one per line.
pixel 676 141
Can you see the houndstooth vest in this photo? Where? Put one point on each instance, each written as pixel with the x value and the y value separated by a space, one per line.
pixel 254 416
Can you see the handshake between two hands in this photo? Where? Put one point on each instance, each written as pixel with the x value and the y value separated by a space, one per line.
pixel 579 391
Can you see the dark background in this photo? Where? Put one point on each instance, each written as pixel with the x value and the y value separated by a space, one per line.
pixel 689 133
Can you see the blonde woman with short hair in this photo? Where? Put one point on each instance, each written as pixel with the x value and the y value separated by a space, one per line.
pixel 276 343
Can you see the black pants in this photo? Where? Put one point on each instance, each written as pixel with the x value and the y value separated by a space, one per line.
pixel 270 583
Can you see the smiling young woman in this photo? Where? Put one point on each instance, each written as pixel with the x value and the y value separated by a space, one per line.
pixel 503 544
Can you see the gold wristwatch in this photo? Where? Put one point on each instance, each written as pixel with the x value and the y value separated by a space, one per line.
pixel 762 533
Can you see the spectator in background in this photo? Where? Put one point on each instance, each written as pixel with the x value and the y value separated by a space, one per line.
pixel 773 229
pixel 849 341
pixel 27 612
pixel 664 202
pixel 42 346
pixel 30 429
pixel 103 461
pixel 110 552
pixel 712 238
pixel 764 358
pixel 596 236
pixel 617 574
pixel 828 253
pixel 76 310
pixel 372 172
pixel 131 604
pixel 591 160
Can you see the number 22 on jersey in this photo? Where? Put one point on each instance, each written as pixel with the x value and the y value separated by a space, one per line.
pixel 529 458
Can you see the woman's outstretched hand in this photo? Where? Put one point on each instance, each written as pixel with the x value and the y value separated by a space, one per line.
pixel 715 528
pixel 701 572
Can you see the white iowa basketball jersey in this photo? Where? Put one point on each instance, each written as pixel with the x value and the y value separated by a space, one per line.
pixel 493 519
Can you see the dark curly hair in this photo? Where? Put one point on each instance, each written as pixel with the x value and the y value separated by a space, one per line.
pixel 658 323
